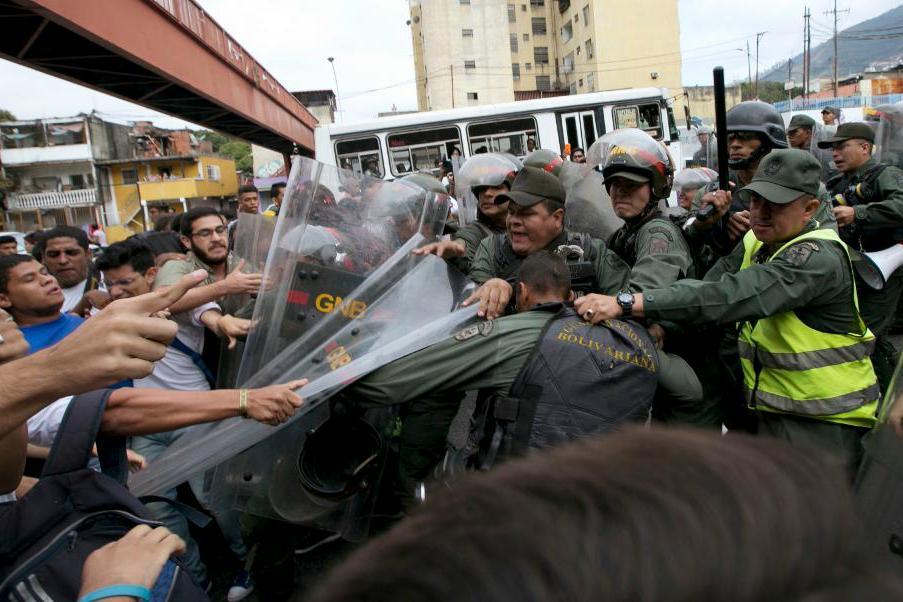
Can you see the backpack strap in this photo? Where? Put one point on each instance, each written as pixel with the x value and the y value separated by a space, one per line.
pixel 77 435
pixel 196 358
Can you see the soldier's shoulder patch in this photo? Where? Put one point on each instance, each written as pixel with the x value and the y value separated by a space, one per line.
pixel 659 245
pixel 799 253
pixel 482 328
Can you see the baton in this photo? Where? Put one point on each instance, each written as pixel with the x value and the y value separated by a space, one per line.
pixel 721 139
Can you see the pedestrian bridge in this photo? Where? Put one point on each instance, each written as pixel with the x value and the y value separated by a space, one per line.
pixel 168 55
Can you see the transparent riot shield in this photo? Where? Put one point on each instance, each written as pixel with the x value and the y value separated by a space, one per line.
pixel 879 484
pixel 252 239
pixel 688 181
pixel 587 205
pixel 419 306
pixel 334 230
pixel 889 135
pixel 820 133
pixel 489 169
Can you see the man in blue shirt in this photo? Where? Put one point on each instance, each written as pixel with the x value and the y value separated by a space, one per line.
pixel 34 299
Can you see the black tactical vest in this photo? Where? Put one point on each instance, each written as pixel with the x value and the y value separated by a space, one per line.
pixel 862 189
pixel 579 380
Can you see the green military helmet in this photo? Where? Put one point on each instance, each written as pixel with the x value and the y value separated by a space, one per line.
pixel 633 154
pixel 546 160
pixel 426 181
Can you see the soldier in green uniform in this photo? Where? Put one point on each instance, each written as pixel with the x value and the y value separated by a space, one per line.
pixel 753 130
pixel 869 211
pixel 486 176
pixel 803 133
pixel 535 222
pixel 804 349
pixel 598 376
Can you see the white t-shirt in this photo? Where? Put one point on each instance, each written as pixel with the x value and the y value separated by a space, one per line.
pixel 73 295
pixel 176 370
pixel 43 426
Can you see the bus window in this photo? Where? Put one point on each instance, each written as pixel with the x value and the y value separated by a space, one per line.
pixel 647 117
pixel 359 156
pixel 420 151
pixel 508 136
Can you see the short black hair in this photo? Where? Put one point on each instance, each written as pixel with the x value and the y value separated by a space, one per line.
pixel 34 236
pixel 68 232
pixel 162 242
pixel 131 251
pixel 6 239
pixel 546 272
pixel 7 263
pixel 194 214
pixel 274 189
pixel 247 188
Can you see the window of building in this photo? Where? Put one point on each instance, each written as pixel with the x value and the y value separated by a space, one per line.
pixel 526 37
pixel 463 1
pixel 586 14
pixel 470 64
pixel 513 39
pixel 567 32
pixel 213 172
pixel 512 13
pixel 589 48
pixel 515 70
pixel 508 136
pixel 577 50
pixel 129 176
pixel 473 96
pixel 591 81
pixel 563 6
pixel 528 66
pixel 466 33
pixel 580 82
pixel 647 117
pixel 539 26
pixel 523 8
pixel 360 155
pixel 567 63
pixel 541 55
pixel 576 18
pixel 77 181
pixel 572 89
pixel 537 3
pixel 543 82
pixel 420 150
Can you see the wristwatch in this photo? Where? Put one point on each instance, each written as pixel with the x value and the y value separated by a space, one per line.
pixel 625 300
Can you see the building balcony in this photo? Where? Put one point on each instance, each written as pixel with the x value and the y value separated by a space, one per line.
pixel 66 153
pixel 52 200
pixel 182 188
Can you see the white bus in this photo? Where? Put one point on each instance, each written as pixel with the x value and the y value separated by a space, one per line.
pixel 395 146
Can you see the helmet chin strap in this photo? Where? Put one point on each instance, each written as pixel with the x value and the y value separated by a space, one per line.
pixel 750 160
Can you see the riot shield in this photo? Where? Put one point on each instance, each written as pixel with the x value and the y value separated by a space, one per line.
pixel 587 206
pixel 821 133
pixel 688 181
pixel 405 305
pixel 334 230
pixel 489 169
pixel 879 484
pixel 889 135
pixel 252 238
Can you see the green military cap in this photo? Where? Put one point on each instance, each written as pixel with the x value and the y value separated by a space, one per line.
pixel 801 121
pixel 848 131
pixel 531 186
pixel 784 176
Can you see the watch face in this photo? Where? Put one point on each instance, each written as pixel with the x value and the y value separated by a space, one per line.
pixel 625 299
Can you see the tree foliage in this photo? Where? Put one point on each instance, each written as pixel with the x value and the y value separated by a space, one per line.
pixel 235 149
pixel 6 115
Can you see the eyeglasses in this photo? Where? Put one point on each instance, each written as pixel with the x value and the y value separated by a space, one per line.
pixel 208 232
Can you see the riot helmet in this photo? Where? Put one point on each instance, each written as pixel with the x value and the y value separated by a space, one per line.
pixel 762 119
pixel 488 169
pixel 426 181
pixel 633 154
pixel 545 159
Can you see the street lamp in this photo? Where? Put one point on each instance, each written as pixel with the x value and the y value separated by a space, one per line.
pixel 336 78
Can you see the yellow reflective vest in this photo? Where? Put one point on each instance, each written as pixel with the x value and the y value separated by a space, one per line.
pixel 789 367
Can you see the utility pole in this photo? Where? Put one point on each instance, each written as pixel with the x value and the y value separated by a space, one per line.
pixel 835 12
pixel 749 67
pixel 806 53
pixel 758 37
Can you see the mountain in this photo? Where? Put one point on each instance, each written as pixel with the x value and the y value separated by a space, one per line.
pixel 876 43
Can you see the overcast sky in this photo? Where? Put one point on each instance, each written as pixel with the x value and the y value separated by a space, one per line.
pixel 374 61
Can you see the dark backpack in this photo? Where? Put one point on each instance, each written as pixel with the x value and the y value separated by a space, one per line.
pixel 74 510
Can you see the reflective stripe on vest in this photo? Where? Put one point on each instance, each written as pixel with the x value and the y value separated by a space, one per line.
pixel 791 367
